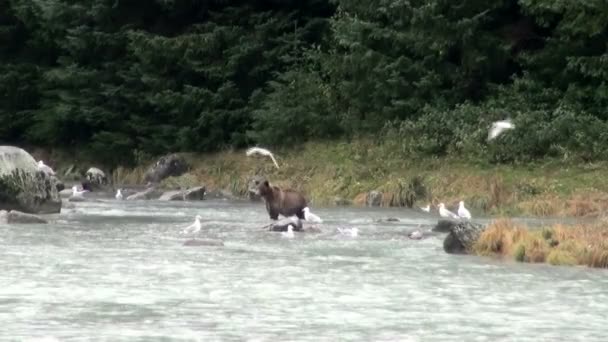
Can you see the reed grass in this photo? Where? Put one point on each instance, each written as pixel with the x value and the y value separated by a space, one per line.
pixel 557 245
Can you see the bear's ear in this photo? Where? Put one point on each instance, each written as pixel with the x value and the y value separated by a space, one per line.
pixel 266 183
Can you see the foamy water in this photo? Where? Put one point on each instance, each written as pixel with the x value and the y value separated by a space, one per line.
pixel 117 271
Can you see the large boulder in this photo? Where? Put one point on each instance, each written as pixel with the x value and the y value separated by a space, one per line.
pixel 445 226
pixel 15 216
pixel 23 186
pixel 462 237
pixel 171 165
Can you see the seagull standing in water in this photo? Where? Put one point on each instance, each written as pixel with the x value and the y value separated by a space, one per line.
pixel 352 232
pixel 45 168
pixel 195 227
pixel 310 217
pixel 289 233
pixel 443 212
pixel 263 152
pixel 463 212
pixel 498 127
pixel 118 195
pixel 426 209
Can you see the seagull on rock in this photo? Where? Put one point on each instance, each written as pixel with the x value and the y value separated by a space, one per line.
pixel 263 152
pixel 463 212
pixel 78 193
pixel 289 233
pixel 310 217
pixel 194 227
pixel 443 212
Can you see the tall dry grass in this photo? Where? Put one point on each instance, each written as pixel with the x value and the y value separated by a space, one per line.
pixel 558 245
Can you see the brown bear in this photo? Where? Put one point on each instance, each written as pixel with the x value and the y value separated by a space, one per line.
pixel 286 202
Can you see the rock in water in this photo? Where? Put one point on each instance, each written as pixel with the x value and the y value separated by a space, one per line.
pixel 281 225
pixel 373 199
pixel 204 242
pixel 462 237
pixel 15 216
pixel 173 195
pixel 23 186
pixel 195 194
pixel 444 226
pixel 147 194
pixel 166 166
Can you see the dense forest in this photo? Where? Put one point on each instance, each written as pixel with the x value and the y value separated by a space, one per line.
pixel 128 79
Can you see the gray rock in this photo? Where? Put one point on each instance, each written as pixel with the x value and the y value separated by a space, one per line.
pixel 173 195
pixel 15 216
pixel 462 237
pixel 195 194
pixel 445 226
pixel 373 199
pixel 23 186
pixel 203 242
pixel 96 178
pixel 147 194
pixel 76 199
pixel 281 225
pixel 166 166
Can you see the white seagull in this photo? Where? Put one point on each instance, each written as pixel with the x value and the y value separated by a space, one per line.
pixel 415 235
pixel 195 227
pixel 118 194
pixel 352 232
pixel 289 233
pixel 427 208
pixel 263 152
pixel 45 168
pixel 443 212
pixel 463 212
pixel 498 127
pixel 78 193
pixel 310 217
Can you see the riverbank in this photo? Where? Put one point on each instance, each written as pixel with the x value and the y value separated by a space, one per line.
pixel 583 244
pixel 341 172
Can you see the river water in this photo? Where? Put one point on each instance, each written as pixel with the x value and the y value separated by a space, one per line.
pixel 117 271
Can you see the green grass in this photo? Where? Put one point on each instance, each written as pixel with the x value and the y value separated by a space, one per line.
pixel 326 170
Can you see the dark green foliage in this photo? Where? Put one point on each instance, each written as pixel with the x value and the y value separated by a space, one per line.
pixel 125 80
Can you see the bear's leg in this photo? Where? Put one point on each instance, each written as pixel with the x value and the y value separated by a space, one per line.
pixel 300 214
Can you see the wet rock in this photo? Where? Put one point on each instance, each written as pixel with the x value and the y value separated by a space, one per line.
pixel 65 193
pixel 462 237
pixel 444 226
pixel 195 194
pixel 15 216
pixel 60 186
pixel 166 166
pixel 95 179
pixel 282 224
pixel 203 242
pixel 373 199
pixel 173 195
pixel 76 199
pixel 23 186
pixel 147 194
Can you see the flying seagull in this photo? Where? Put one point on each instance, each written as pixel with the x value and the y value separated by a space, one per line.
pixel 498 127
pixel 263 152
